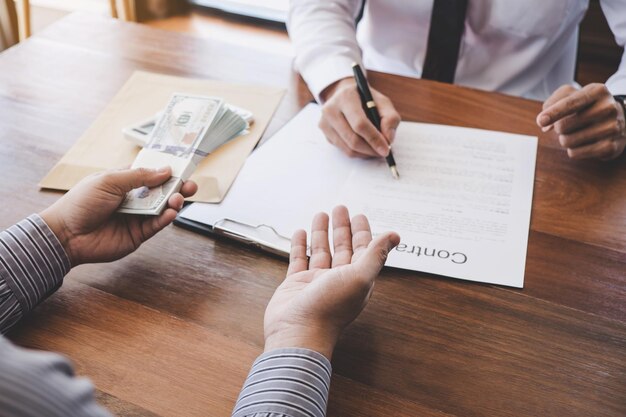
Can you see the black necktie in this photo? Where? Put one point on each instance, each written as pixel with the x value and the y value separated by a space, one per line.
pixel 444 39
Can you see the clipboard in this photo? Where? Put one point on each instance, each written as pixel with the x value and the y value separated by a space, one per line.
pixel 297 173
pixel 262 236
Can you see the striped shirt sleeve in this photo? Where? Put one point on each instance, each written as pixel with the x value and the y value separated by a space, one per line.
pixel 35 384
pixel 32 266
pixel 289 382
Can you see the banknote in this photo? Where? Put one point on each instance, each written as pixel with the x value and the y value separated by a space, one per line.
pixel 174 141
pixel 235 121
pixel 150 201
pixel 183 124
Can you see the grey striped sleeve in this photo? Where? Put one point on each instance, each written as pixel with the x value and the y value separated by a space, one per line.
pixel 282 383
pixel 32 266
pixel 34 384
pixel 290 382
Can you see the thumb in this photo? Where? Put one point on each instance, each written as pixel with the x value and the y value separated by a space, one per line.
pixel 372 260
pixel 560 93
pixel 129 179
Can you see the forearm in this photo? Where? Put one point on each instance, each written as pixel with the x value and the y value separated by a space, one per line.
pixel 286 383
pixel 324 38
pixel 32 266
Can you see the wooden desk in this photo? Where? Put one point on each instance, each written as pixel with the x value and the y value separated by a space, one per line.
pixel 172 329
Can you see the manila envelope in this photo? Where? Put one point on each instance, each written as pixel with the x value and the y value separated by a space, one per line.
pixel 103 146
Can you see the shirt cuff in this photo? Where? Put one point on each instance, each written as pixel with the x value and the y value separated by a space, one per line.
pixel 292 382
pixel 617 85
pixel 32 261
pixel 323 72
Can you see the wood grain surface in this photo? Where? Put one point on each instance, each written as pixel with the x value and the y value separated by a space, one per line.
pixel 172 329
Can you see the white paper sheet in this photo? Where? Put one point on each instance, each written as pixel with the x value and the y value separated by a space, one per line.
pixel 462 204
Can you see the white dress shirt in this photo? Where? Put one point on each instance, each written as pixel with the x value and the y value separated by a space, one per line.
pixel 520 47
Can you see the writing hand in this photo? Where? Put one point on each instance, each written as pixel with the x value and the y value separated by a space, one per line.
pixel 346 125
pixel 86 222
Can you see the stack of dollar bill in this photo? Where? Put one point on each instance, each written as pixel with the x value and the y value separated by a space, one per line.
pixel 189 129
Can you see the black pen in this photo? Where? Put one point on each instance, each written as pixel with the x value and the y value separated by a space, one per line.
pixel 369 107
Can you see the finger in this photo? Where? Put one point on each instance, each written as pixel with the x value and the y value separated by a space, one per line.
pixel 368 265
pixel 320 249
pixel 607 129
pixel 350 139
pixel 152 225
pixel 298 260
pixel 128 179
pixel 568 105
pixel 390 118
pixel 571 104
pixel 561 92
pixel 601 111
pixel 176 201
pixel 604 149
pixel 360 124
pixel 342 237
pixel 333 137
pixel 188 189
pixel 361 235
pixel 619 146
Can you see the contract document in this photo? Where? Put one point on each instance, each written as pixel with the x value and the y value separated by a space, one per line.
pixel 461 206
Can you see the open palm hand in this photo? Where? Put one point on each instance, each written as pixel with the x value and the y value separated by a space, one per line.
pixel 321 296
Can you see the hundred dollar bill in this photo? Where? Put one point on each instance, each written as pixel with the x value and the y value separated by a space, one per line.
pixel 182 127
pixel 173 142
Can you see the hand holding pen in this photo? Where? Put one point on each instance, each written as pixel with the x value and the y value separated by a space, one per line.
pixel 346 125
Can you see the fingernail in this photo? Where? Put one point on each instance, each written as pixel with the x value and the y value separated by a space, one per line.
pixel 383 150
pixel 394 241
pixel 546 128
pixel 163 169
pixel 544 119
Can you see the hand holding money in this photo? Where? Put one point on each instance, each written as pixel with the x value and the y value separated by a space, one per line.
pixel 188 130
pixel 87 225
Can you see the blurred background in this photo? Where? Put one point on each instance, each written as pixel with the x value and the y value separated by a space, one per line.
pixel 258 23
